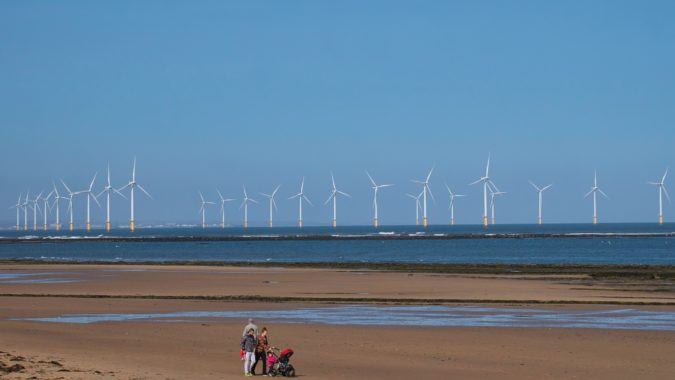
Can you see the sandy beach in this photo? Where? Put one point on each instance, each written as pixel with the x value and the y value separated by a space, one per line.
pixel 208 349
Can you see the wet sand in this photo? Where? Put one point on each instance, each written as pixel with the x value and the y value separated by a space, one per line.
pixel 209 349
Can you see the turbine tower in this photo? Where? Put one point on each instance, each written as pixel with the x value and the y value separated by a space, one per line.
pixel 272 203
pixel 375 188
pixel 452 204
pixel 25 206
pixel 222 208
pixel 132 185
pixel 486 188
pixel 17 206
pixel 540 192
pixel 35 207
pixel 333 195
pixel 417 207
pixel 71 226
pixel 244 204
pixel 107 190
pixel 45 208
pixel 493 194
pixel 90 196
pixel 202 209
pixel 594 190
pixel 662 189
pixel 425 189
pixel 301 196
pixel 56 203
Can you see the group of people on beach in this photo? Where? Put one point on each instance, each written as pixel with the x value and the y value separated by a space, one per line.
pixel 255 348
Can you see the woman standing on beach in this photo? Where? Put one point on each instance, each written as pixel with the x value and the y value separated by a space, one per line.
pixel 261 352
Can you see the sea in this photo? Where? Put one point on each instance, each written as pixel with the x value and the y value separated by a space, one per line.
pixel 626 243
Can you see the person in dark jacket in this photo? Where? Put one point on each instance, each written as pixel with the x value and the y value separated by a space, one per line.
pixel 248 343
pixel 261 352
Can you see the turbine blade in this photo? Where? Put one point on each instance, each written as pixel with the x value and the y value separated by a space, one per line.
pixel 664 176
pixel 302 185
pixel 118 193
pixel 345 194
pixel 143 190
pixel 64 185
pixel 220 195
pixel 371 178
pixel 589 193
pixel 432 194
pixel 666 192
pixel 429 175
pixel 603 193
pixel 332 179
pixel 535 186
pixel 201 196
pixel 275 190
pixel 95 200
pixel 475 182
pixel 307 199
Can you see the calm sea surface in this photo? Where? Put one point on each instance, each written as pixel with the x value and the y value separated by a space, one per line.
pixel 608 249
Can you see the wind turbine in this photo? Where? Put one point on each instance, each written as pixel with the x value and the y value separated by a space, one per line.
pixel 540 192
pixel 594 190
pixel 222 208
pixel 45 208
pixel 17 206
pixel 333 196
pixel 375 188
pixel 25 206
pixel 301 196
pixel 417 207
pixel 35 207
pixel 107 190
pixel 272 203
pixel 71 226
pixel 244 204
pixel 662 189
pixel 90 196
pixel 425 188
pixel 132 185
pixel 486 187
pixel 493 194
pixel 452 204
pixel 56 203
pixel 202 209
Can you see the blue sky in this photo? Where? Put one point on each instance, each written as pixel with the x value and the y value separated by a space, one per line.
pixel 218 94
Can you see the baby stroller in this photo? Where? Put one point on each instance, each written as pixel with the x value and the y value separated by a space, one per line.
pixel 279 364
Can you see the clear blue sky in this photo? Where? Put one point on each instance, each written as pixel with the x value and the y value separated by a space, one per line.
pixel 217 94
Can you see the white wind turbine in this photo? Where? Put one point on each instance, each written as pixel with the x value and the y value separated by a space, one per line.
pixel 45 209
pixel 132 185
pixel 272 203
pixel 486 188
pixel 375 188
pixel 662 189
pixel 90 196
pixel 540 193
pixel 452 204
pixel 244 204
pixel 417 207
pixel 71 226
pixel 301 196
pixel 493 194
pixel 202 209
pixel 56 203
pixel 594 190
pixel 425 189
pixel 107 190
pixel 25 206
pixel 17 206
pixel 222 208
pixel 333 195
pixel 35 207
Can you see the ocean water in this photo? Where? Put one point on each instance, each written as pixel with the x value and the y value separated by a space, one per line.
pixel 610 244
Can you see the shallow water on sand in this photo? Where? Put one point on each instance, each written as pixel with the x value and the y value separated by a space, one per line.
pixel 625 319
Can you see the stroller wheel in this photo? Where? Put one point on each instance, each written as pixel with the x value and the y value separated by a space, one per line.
pixel 290 372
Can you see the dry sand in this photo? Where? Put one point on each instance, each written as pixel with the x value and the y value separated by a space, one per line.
pixel 159 350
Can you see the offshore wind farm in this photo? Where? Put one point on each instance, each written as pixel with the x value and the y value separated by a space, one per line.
pixel 50 210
